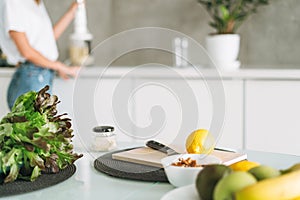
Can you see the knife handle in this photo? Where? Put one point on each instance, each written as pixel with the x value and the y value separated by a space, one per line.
pixel 157 146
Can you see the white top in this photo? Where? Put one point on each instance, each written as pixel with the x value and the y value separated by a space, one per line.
pixel 31 18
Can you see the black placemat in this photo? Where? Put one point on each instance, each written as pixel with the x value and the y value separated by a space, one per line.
pixel 127 170
pixel 43 181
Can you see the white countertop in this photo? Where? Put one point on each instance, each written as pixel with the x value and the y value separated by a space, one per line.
pixel 89 184
pixel 155 71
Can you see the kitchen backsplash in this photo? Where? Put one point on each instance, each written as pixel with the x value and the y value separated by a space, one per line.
pixel 270 38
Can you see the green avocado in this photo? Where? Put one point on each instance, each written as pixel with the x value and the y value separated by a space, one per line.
pixel 208 178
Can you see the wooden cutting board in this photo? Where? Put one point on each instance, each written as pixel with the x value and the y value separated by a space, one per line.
pixel 148 156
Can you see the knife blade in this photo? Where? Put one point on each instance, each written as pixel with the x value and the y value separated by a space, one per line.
pixel 169 151
pixel 161 147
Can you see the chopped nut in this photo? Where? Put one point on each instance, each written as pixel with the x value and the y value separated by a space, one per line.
pixel 186 163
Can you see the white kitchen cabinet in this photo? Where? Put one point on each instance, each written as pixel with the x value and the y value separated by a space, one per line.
pixel 4 82
pixel 158 110
pixel 273 116
pixel 112 108
pixel 174 97
pixel 232 135
pixel 88 101
pixel 261 106
pixel 63 89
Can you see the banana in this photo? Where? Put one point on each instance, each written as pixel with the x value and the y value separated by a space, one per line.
pixel 295 167
pixel 284 187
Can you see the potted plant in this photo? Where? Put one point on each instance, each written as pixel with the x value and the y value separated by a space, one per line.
pixel 227 16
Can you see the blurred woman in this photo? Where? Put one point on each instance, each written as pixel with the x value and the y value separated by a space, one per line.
pixel 28 39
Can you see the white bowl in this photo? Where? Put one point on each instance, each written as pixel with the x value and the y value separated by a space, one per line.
pixel 181 176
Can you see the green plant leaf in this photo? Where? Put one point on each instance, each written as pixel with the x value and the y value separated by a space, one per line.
pixel 228 15
pixel 225 15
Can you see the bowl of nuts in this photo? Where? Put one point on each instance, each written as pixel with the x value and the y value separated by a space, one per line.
pixel 182 169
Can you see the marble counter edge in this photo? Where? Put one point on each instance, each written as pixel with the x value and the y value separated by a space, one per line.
pixel 189 72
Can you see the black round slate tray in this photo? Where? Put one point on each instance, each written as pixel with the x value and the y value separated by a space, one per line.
pixel 43 181
pixel 122 169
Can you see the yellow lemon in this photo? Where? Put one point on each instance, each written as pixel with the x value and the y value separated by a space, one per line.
pixel 200 142
pixel 243 165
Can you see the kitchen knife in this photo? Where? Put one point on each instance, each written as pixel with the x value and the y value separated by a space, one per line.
pixel 169 151
pixel 161 147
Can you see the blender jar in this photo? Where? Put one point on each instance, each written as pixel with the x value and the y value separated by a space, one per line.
pixel 79 52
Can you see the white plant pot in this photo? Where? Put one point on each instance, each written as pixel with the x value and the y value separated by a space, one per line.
pixel 224 50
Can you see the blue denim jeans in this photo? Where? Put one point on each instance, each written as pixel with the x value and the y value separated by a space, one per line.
pixel 28 77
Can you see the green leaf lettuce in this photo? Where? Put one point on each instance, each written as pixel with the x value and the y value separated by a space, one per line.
pixel 33 139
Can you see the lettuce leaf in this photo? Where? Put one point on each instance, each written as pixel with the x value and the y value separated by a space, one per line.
pixel 33 139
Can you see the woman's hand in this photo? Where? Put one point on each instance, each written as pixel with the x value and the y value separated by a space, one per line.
pixel 65 72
